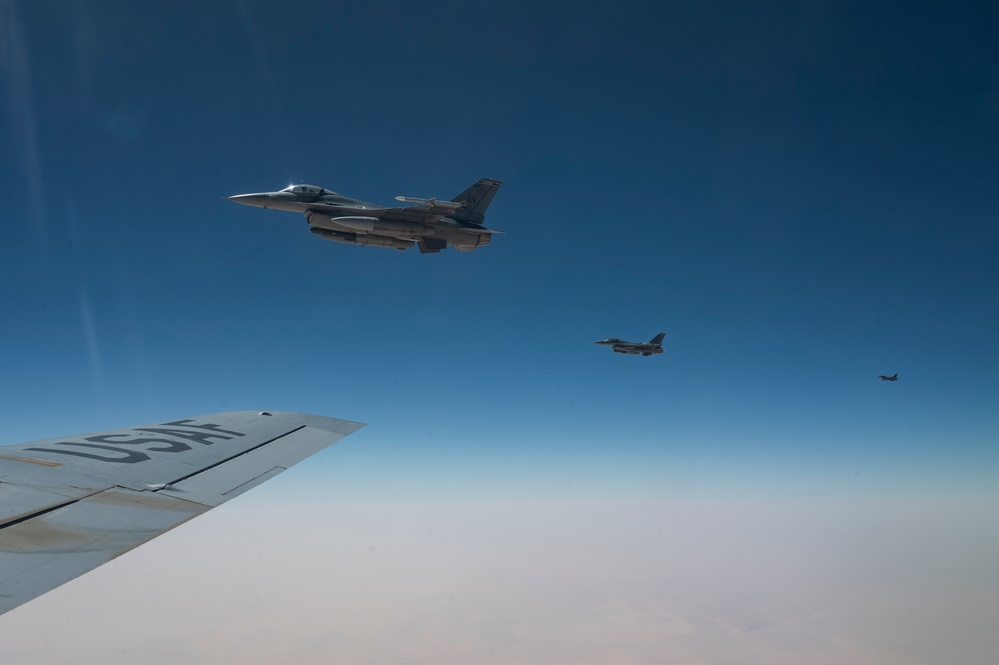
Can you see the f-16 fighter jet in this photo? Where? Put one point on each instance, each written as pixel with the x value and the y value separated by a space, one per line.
pixel 655 345
pixel 428 223
pixel 71 504
pixel 893 377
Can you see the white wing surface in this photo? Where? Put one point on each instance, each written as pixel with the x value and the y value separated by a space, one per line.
pixel 69 505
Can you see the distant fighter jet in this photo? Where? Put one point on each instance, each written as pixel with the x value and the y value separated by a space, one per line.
pixel 893 377
pixel 653 346
pixel 430 224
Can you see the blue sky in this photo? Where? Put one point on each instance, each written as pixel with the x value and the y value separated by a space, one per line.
pixel 801 196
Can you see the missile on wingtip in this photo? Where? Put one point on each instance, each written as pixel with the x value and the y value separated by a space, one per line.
pixel 433 203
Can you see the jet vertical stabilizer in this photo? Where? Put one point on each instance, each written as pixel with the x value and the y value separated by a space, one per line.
pixel 475 200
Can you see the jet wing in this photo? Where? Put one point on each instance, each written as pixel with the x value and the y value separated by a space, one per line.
pixel 431 216
pixel 424 214
pixel 71 504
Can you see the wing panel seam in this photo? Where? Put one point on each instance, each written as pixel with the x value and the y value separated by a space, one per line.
pixel 43 511
pixel 229 459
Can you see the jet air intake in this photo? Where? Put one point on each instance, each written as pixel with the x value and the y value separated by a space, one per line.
pixel 355 239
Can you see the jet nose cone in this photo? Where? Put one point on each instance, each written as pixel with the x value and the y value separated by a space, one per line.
pixel 249 199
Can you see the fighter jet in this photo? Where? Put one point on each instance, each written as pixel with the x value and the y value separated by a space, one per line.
pixel 430 224
pixel 653 346
pixel 71 504
pixel 893 377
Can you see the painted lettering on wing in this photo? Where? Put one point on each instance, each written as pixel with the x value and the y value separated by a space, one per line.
pixel 132 446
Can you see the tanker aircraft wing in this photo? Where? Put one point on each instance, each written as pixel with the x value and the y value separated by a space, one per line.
pixel 71 504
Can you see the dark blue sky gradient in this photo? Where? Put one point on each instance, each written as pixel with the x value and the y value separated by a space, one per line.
pixel 802 197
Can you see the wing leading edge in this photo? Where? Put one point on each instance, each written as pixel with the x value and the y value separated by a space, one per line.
pixel 69 505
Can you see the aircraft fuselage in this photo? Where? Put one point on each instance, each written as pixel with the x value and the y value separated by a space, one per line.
pixel 649 348
pixel 433 224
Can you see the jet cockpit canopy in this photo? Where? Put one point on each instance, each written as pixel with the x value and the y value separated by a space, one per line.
pixel 308 190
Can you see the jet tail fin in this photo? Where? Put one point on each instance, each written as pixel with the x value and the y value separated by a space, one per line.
pixel 475 200
pixel 658 339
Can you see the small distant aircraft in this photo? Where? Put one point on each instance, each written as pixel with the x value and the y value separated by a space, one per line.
pixel 893 377
pixel 653 346
pixel 430 224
